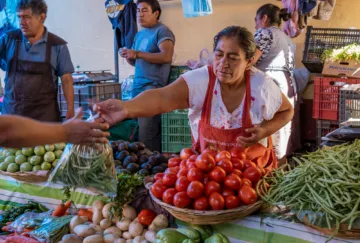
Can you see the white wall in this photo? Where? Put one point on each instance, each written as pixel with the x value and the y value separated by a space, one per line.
pixel 85 25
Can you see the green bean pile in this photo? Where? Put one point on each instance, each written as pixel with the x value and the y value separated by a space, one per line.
pixel 87 166
pixel 326 181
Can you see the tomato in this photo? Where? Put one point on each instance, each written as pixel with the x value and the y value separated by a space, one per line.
pixel 206 179
pixel 233 181
pixel 157 189
pixel 248 163
pixel 205 162
pixel 182 172
pixel 218 174
pixel 168 195
pixel 262 171
pixel 195 174
pixel 237 172
pixel 232 202
pixel 212 186
pixel 237 152
pixel 182 184
pixel 253 174
pixel 173 170
pixel 201 203
pixel 181 200
pixel 191 165
pixel 173 162
pixel 227 192
pixel 193 157
pixel 216 201
pixel 146 216
pixel 246 182
pixel 158 176
pixel 247 195
pixel 195 189
pixel 169 179
pixel 213 153
pixel 223 155
pixel 183 164
pixel 226 165
pixel 186 153
pixel 237 164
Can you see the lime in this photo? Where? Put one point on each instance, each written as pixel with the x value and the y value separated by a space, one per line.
pixel 45 166
pixel 4 152
pixel 10 159
pixel 19 152
pixel 35 160
pixel 60 146
pixel 36 168
pixel 58 153
pixel 20 159
pixel 12 150
pixel 3 166
pixel 8 153
pixel 2 158
pixel 26 167
pixel 39 150
pixel 49 157
pixel 50 148
pixel 27 151
pixel 55 163
pixel 12 168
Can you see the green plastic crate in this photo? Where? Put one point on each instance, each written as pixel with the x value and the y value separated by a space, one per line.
pixel 175 131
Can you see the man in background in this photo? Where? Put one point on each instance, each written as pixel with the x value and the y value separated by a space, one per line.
pixel 151 55
pixel 35 58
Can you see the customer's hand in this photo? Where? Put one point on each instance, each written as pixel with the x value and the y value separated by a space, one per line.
pixel 81 132
pixel 257 133
pixel 111 111
pixel 128 53
pixel 70 114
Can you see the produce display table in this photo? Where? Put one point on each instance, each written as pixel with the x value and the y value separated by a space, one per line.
pixel 250 229
pixel 13 192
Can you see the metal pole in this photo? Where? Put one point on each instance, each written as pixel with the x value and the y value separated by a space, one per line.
pixel 116 57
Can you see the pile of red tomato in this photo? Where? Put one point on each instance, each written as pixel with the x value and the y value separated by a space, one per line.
pixel 209 181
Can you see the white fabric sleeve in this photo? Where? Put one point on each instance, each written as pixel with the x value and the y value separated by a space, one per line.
pixel 197 81
pixel 271 97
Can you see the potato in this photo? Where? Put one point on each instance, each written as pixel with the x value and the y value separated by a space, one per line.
pixel 138 239
pixel 71 238
pixel 97 228
pixel 129 212
pixel 110 238
pixel 97 217
pixel 136 229
pixel 106 211
pixel 113 230
pixel 105 223
pixel 98 205
pixel 123 224
pixel 120 240
pixel 75 221
pixel 94 239
pixel 129 241
pixel 84 230
pixel 126 235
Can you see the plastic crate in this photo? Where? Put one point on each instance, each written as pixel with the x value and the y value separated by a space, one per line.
pixel 349 104
pixel 96 92
pixel 176 71
pixel 175 131
pixel 320 39
pixel 326 96
pixel 324 127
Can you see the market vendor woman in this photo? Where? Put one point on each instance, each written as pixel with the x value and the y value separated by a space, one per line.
pixel 231 103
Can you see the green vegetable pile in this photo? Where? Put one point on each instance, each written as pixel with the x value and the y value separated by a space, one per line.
pixel 87 166
pixel 325 182
pixel 346 53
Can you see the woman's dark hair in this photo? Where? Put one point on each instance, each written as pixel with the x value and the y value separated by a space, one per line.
pixel 154 4
pixel 37 6
pixel 243 36
pixel 274 14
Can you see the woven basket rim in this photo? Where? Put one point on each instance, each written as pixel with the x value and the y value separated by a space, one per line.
pixel 27 177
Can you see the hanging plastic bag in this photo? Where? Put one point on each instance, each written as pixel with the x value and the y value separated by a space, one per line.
pixel 204 59
pixel 87 166
pixel 196 8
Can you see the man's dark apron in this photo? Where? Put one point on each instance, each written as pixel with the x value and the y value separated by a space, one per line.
pixel 30 89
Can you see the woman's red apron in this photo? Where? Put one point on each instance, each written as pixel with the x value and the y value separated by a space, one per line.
pixel 225 139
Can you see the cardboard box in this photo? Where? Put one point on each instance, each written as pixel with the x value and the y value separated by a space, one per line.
pixel 345 68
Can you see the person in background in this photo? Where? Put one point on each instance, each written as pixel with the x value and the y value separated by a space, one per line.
pixel 17 131
pixel 275 55
pixel 231 104
pixel 35 58
pixel 151 55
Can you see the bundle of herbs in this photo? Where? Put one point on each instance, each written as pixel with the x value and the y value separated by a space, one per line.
pixel 347 53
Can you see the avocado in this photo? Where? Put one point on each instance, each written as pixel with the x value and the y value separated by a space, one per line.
pixel 143 159
pixel 140 145
pixel 146 166
pixel 164 165
pixel 122 155
pixel 143 172
pixel 133 168
pixel 153 160
pixel 123 146
pixel 157 169
pixel 162 158
pixel 135 157
pixel 133 147
pixel 128 160
pixel 156 153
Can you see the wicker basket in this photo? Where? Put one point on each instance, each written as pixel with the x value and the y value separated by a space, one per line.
pixel 208 217
pixel 343 232
pixel 38 176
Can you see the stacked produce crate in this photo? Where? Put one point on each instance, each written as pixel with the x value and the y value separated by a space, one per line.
pixel 327 88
